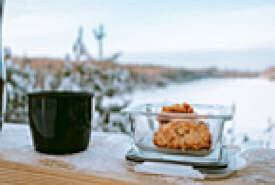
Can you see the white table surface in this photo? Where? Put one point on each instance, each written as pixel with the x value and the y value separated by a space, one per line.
pixel 105 157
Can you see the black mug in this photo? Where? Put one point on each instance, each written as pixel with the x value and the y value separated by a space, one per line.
pixel 60 122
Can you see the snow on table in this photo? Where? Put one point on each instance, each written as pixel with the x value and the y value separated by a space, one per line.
pixel 106 157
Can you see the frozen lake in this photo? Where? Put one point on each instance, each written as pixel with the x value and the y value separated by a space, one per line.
pixel 254 100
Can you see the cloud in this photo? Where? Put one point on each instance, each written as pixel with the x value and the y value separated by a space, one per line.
pixel 40 32
pixel 240 29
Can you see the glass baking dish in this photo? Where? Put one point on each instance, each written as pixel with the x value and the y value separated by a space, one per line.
pixel 146 119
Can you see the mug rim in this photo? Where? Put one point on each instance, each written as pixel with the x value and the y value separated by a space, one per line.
pixel 60 93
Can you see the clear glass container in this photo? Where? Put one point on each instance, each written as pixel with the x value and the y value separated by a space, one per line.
pixel 146 119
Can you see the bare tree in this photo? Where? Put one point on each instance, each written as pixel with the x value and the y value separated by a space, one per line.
pixel 79 48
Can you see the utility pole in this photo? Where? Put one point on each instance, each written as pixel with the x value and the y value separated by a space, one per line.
pixel 99 35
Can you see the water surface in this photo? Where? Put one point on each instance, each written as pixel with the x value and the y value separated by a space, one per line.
pixel 254 100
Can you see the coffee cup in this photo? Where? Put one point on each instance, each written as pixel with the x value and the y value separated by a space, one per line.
pixel 60 121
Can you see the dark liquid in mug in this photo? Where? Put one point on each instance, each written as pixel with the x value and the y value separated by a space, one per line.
pixel 60 122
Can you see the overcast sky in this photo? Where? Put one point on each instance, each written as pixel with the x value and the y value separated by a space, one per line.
pixel 48 28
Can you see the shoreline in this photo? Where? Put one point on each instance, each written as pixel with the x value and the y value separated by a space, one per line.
pixel 269 73
pixel 149 74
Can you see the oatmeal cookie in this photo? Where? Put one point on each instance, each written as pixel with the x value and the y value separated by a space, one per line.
pixel 183 134
pixel 176 108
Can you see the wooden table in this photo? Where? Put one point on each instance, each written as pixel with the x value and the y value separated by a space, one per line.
pixel 104 164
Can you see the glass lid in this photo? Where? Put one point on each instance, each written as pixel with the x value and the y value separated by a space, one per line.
pixel 203 111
